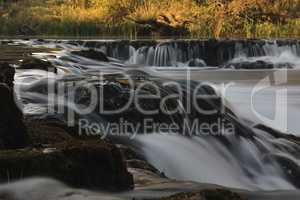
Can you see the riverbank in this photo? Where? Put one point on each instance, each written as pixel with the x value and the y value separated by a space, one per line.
pixel 131 18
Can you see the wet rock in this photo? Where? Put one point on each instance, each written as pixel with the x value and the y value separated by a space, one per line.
pixel 7 74
pixel 250 65
pixel 13 133
pixel 128 153
pixel 278 134
pixel 92 54
pixel 140 164
pixel 290 169
pixel 258 65
pixel 87 164
pixel 44 132
pixel 35 63
pixel 196 63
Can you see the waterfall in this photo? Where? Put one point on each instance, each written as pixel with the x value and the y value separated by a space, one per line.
pixel 238 163
pixel 256 161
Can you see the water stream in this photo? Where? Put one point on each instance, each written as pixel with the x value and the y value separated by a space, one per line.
pixel 256 162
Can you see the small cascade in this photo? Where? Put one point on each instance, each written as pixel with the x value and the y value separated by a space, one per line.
pixel 214 53
pixel 167 54
pixel 251 158
pixel 266 48
pixel 238 162
pixel 164 55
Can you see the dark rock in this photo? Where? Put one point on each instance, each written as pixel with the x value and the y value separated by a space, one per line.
pixel 277 134
pixel 196 63
pixel 140 164
pixel 207 194
pixel 13 132
pixel 128 153
pixel 92 54
pixel 7 74
pixel 44 132
pixel 26 30
pixel 87 164
pixel 289 167
pixel 35 63
pixel 250 65
pixel 259 64
pixel 162 27
pixel 220 194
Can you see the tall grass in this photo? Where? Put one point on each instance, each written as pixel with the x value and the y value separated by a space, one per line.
pixel 133 18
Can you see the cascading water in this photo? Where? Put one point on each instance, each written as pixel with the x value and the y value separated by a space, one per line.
pixel 255 162
pixel 195 53
pixel 239 163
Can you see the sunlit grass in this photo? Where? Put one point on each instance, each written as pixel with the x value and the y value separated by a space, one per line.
pixel 131 18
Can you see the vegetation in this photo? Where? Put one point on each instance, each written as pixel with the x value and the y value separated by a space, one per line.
pixel 132 18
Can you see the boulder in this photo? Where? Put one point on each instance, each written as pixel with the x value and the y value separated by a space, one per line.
pixel 46 131
pixel 92 54
pixel 196 63
pixel 35 63
pixel 86 164
pixel 7 74
pixel 13 133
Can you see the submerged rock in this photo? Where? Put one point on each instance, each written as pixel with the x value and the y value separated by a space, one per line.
pixel 258 65
pixel 88 164
pixel 92 54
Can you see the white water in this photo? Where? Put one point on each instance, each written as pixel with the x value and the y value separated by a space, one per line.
pixel 207 160
pixel 166 54
pixel 242 164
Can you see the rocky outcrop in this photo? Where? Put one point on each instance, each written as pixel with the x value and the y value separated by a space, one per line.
pixel 47 148
pixel 13 132
pixel 89 164
pixel 92 54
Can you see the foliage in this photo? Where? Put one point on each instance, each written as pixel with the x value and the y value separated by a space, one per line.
pixel 200 18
